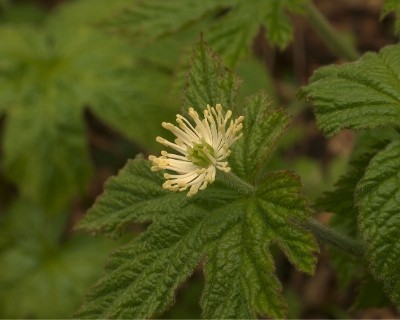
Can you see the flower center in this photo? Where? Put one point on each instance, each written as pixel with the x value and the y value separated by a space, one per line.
pixel 201 154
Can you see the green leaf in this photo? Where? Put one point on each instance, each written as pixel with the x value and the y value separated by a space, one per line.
pixel 277 21
pixel 230 231
pixel 141 278
pixel 263 127
pixel 377 199
pixel 86 12
pixel 232 35
pixel 341 200
pixel 152 19
pixel 360 95
pixel 208 83
pixel 21 12
pixel 43 273
pixel 389 7
pixel 139 122
pixel 49 133
pixel 48 75
pixel 44 134
pixel 240 280
pixel 148 201
pixel 229 25
pixel 265 219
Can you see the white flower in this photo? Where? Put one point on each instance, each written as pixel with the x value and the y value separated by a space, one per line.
pixel 202 149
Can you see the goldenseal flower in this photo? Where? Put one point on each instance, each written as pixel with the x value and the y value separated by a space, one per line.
pixel 203 148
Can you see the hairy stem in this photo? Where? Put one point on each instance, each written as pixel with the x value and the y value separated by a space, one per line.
pixel 233 181
pixel 329 35
pixel 335 238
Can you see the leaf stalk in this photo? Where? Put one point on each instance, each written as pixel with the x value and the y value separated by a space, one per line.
pixel 233 181
pixel 335 238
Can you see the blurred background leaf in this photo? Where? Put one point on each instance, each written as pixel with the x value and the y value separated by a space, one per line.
pixel 230 25
pixel 44 271
pixel 48 75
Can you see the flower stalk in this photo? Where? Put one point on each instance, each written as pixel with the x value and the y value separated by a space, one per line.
pixel 233 181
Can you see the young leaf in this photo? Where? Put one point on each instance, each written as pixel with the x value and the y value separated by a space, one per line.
pixel 263 126
pixel 208 83
pixel 359 95
pixel 377 199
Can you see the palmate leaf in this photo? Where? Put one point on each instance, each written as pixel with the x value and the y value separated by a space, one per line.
pixel 378 195
pixel 141 278
pixel 48 75
pixel 359 95
pixel 230 231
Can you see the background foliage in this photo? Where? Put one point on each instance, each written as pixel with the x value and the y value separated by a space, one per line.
pixel 84 86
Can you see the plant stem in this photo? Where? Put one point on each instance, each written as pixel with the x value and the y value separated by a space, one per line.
pixel 234 182
pixel 329 35
pixel 335 238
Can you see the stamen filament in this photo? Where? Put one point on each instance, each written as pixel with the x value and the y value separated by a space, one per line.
pixel 203 149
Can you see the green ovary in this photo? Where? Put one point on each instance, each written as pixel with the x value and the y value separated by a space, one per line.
pixel 198 157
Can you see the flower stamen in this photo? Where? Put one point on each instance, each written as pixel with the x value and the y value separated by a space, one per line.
pixel 202 147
